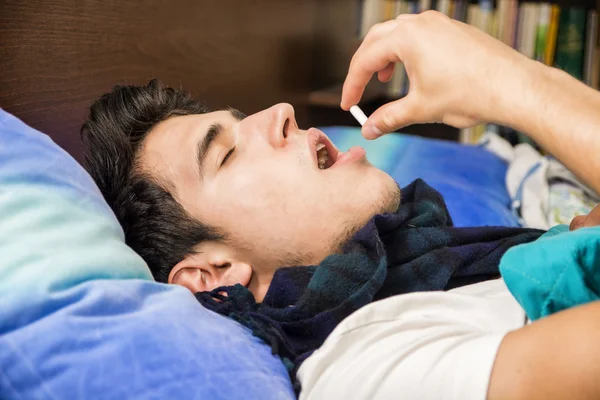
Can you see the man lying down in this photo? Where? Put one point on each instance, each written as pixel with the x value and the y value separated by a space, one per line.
pixel 273 226
pixel 364 291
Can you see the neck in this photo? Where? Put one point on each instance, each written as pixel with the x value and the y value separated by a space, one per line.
pixel 259 284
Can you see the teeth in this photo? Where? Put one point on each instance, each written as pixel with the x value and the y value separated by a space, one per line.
pixel 322 155
pixel 322 160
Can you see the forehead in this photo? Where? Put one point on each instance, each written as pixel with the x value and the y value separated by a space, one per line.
pixel 171 145
pixel 184 129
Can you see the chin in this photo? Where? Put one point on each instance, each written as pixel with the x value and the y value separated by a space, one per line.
pixel 388 194
pixel 367 192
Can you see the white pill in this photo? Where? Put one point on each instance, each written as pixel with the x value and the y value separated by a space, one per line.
pixel 358 114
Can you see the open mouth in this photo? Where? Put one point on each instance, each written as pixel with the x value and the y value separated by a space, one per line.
pixel 325 152
pixel 326 155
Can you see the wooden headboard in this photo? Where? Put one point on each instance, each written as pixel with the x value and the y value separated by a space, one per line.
pixel 57 57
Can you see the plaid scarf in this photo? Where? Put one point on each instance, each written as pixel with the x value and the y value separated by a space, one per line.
pixel 414 249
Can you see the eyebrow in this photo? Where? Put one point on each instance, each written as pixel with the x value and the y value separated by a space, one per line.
pixel 212 134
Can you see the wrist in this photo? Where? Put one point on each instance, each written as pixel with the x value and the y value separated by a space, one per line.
pixel 520 101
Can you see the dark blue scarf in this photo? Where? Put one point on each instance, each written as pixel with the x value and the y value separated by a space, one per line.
pixel 414 249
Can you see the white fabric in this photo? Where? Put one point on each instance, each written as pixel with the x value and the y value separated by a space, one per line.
pixel 428 345
pixel 533 199
pixel 527 168
pixel 566 201
pixel 492 142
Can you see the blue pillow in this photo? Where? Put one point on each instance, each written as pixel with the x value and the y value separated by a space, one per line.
pixel 81 317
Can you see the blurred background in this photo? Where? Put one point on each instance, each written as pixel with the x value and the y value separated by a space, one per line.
pixel 249 54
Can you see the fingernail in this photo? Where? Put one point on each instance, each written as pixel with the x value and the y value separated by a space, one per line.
pixel 370 131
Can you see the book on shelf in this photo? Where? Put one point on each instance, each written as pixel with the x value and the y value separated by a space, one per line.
pixel 571 41
pixel 552 35
pixel 543 26
pixel 591 45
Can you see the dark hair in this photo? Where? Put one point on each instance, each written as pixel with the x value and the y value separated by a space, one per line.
pixel 156 226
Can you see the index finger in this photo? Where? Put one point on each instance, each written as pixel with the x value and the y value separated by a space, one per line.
pixel 366 62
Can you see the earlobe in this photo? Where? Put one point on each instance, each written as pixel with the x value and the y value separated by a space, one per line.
pixel 236 273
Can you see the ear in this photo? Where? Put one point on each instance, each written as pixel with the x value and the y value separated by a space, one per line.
pixel 213 265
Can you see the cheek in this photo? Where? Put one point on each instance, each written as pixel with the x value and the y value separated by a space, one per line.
pixel 261 207
pixel 284 193
pixel 260 191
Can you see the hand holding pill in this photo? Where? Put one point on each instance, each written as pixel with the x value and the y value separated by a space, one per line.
pixel 436 51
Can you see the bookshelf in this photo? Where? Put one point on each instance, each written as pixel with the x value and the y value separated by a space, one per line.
pixel 562 33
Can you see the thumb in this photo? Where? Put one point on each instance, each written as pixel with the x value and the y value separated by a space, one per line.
pixel 391 117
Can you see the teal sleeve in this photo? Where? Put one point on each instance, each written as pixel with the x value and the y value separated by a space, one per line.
pixel 558 271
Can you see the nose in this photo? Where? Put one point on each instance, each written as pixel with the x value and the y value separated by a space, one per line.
pixel 274 124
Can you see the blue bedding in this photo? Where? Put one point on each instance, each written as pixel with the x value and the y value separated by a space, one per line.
pixel 81 317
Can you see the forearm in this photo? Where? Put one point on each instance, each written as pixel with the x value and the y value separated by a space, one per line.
pixel 557 357
pixel 562 115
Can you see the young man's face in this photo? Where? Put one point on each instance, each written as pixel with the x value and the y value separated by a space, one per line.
pixel 258 180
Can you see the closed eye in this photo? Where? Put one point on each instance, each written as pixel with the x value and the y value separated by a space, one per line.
pixel 229 154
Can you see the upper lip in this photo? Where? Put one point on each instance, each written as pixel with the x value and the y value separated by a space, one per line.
pixel 315 136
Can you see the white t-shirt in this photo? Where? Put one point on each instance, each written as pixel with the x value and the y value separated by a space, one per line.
pixel 428 345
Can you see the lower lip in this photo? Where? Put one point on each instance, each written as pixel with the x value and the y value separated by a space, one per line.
pixel 355 153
